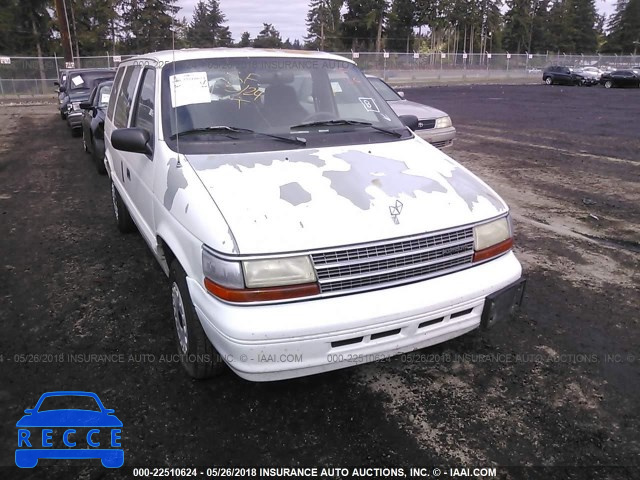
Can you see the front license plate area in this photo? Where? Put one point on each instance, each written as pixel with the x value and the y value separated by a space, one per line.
pixel 502 304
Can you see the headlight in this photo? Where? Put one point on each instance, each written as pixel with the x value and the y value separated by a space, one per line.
pixel 278 271
pixel 259 280
pixel 222 272
pixel 492 239
pixel 443 122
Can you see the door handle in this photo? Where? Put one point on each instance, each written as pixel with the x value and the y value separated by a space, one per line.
pixel 128 174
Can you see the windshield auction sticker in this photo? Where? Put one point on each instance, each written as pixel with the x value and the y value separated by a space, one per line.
pixel 189 88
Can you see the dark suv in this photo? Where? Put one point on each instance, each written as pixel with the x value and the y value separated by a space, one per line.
pixel 563 75
pixel 76 89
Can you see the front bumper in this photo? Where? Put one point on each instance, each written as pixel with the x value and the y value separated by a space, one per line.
pixel 438 137
pixel 274 342
pixel 74 119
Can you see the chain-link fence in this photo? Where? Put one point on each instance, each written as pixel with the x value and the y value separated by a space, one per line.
pixel 32 76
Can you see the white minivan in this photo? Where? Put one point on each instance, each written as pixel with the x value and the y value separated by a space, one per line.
pixel 302 225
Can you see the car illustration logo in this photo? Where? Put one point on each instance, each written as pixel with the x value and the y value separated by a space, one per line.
pixel 395 211
pixel 87 432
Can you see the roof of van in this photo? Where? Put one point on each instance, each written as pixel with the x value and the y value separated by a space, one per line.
pixel 222 52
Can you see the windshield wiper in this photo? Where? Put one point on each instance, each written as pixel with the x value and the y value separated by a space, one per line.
pixel 339 121
pixel 226 129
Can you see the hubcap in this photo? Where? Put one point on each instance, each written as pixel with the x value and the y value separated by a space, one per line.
pixel 179 318
pixel 114 199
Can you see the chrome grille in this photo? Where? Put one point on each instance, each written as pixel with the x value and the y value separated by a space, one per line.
pixel 393 263
pixel 426 124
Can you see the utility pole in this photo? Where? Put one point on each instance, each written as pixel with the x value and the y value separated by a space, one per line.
pixel 75 33
pixel 64 31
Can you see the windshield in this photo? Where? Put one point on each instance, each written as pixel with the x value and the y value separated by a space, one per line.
pixel 384 90
pixel 79 81
pixel 278 96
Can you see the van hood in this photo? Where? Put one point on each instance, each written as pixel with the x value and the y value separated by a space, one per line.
pixel 297 200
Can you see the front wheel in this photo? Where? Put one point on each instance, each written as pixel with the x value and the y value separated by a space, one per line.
pixel 123 218
pixel 608 84
pixel 198 357
pixel 548 81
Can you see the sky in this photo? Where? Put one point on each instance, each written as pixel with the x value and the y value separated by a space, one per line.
pixel 287 16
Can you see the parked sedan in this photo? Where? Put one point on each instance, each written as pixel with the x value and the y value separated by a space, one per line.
pixel 621 78
pixel 591 75
pixel 562 75
pixel 433 125
pixel 77 88
pixel 93 113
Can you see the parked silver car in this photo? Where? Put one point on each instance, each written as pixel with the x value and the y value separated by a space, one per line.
pixel 591 74
pixel 433 125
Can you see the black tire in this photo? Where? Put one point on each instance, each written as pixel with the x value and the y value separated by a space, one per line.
pixel 548 81
pixel 76 132
pixel 97 155
pixel 63 116
pixel 198 357
pixel 123 218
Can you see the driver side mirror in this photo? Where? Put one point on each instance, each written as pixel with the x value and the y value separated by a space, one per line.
pixel 135 140
pixel 86 106
pixel 62 88
pixel 410 121
pixel 400 94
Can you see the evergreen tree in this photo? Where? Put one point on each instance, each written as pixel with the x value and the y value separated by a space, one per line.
pixel 363 24
pixel 148 24
pixel 26 27
pixel 624 28
pixel 323 25
pixel 572 25
pixel 206 28
pixel 268 37
pixel 400 29
pixel 245 40
pixel 518 23
pixel 95 25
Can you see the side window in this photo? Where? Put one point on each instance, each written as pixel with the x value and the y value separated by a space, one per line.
pixel 124 100
pixel 145 105
pixel 116 83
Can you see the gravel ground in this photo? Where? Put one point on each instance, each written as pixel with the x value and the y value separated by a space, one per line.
pixel 558 386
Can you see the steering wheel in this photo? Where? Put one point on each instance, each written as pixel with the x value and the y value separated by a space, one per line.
pixel 319 117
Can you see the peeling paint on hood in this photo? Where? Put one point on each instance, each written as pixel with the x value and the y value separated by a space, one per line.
pixel 305 199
